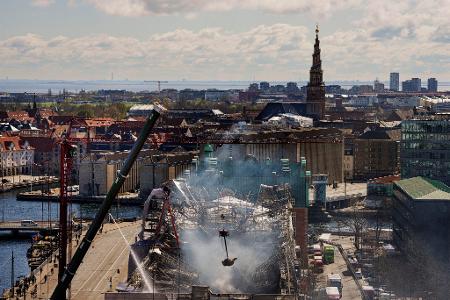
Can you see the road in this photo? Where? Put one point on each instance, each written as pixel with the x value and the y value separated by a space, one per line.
pixel 350 290
pixel 107 254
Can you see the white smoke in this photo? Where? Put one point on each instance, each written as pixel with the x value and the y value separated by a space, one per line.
pixel 205 252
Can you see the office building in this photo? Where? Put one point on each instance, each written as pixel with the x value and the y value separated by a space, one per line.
pixel 361 89
pixel 412 85
pixel 432 85
pixel 292 88
pixel 421 229
pixel 264 86
pixel 394 81
pixel 378 86
pixel 425 148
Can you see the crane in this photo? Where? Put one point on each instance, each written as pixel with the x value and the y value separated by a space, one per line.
pixel 67 153
pixel 68 149
pixel 64 282
pixel 158 82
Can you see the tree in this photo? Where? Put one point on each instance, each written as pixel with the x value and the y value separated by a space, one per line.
pixel 85 113
pixel 358 225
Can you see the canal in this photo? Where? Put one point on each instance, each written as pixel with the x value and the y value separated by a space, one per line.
pixel 13 210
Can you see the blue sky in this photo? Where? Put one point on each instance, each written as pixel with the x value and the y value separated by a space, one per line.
pixel 223 40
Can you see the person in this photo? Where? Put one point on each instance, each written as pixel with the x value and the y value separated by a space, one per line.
pixel 159 194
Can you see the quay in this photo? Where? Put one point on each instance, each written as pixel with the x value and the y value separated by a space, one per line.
pixel 9 183
pixel 16 228
pixel 127 199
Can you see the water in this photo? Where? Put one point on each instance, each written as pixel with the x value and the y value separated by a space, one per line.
pixel 42 86
pixel 20 261
pixel 144 274
pixel 13 210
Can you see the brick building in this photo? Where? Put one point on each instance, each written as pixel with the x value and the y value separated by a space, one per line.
pixel 376 154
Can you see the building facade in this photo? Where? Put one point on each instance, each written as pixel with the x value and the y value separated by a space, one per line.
pixel 412 85
pixel 46 154
pixel 16 156
pixel 421 229
pixel 98 171
pixel 378 86
pixel 394 81
pixel 162 168
pixel 425 149
pixel 432 85
pixel 376 153
pixel 321 157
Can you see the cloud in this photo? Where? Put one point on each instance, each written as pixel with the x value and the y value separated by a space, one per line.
pixel 385 37
pixel 211 53
pixel 131 8
pixel 272 52
pixel 42 3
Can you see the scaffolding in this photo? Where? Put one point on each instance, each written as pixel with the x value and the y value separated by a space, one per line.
pixel 260 231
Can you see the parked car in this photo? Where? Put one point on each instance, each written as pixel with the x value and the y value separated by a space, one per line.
pixel 28 223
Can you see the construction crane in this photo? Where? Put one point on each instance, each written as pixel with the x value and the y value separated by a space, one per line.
pixel 158 82
pixel 64 282
pixel 67 153
pixel 68 149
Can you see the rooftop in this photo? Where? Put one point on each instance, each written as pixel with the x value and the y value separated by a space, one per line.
pixel 421 188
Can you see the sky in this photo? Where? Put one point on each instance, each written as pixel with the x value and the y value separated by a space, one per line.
pixel 223 39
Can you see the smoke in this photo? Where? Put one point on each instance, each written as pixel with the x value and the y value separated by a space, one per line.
pixel 204 252
pixel 253 235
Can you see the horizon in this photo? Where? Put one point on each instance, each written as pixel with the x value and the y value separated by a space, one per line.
pixel 42 86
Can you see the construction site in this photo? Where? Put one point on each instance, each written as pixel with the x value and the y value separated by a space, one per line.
pixel 216 238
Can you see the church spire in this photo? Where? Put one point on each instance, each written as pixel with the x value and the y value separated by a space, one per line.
pixel 316 74
pixel 316 88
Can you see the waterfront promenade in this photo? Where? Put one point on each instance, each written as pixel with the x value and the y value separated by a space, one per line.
pixel 105 265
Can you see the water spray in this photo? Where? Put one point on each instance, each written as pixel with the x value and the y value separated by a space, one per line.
pixel 144 274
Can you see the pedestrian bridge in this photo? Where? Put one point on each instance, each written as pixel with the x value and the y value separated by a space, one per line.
pixel 18 227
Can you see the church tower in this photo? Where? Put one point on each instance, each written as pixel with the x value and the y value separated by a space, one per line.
pixel 315 95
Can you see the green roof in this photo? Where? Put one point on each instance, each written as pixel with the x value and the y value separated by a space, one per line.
pixel 420 188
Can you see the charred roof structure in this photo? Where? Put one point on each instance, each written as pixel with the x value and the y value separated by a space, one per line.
pixel 215 233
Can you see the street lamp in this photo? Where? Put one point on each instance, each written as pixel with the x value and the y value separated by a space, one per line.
pixel 3 170
pixel 31 173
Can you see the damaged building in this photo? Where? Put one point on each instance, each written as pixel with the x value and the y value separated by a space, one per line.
pixel 215 238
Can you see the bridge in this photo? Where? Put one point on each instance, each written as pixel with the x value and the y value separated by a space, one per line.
pixel 16 227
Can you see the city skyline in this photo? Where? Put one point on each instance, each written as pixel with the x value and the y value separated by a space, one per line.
pixel 196 40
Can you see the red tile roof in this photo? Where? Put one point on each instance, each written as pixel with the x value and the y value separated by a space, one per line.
pixel 41 144
pixel 11 143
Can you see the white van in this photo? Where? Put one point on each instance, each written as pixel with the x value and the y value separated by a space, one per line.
pixel 28 223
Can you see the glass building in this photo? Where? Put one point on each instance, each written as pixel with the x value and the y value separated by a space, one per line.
pixel 425 149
